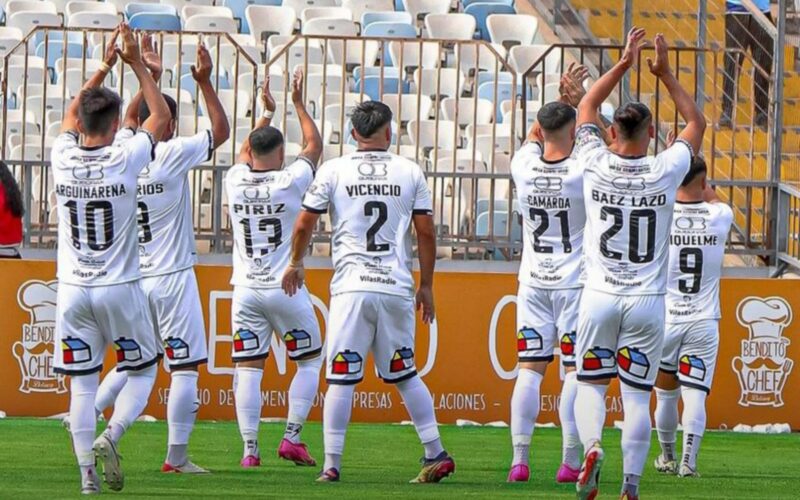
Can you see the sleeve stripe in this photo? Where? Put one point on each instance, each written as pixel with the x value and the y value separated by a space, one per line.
pixel 310 164
pixel 210 145
pixel 422 211
pixel 152 143
pixel 314 210
pixel 688 146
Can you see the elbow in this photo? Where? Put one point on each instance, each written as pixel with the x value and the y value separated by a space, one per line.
pixel 221 133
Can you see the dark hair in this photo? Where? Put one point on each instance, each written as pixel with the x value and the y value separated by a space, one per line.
pixel 554 116
pixel 696 169
pixel 144 111
pixel 99 107
pixel 369 117
pixel 632 119
pixel 265 140
pixel 13 195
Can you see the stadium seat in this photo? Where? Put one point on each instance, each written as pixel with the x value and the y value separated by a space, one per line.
pixel 450 26
pixel 389 85
pixel 93 20
pixel 419 8
pixel 132 9
pixel 179 4
pixel 16 6
pixel 522 57
pixel 484 57
pixel 505 92
pixel 446 83
pixel 27 21
pixel 336 48
pixel 481 11
pixel 295 55
pixel 467 112
pixel 385 17
pixel 266 20
pixel 154 22
pixel 122 5
pixel 411 54
pixel 76 6
pixel 359 73
pixel 9 38
pixel 406 107
pixel 359 7
pixel 390 30
pixel 430 136
pixel 238 8
pixel 509 30
pixel 326 13
pixel 467 3
pixel 299 5
pixel 211 23
pixel 55 51
pixel 191 10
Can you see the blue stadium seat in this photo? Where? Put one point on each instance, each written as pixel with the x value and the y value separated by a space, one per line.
pixel 391 85
pixel 153 8
pixel 359 72
pixel 480 11
pixel 239 6
pixel 385 17
pixel 505 92
pixel 55 51
pixel 390 30
pixel 398 6
pixel 155 22
pixel 488 76
pixel 56 36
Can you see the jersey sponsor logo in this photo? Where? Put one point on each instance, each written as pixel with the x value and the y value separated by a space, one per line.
pixel 34 350
pixel 402 360
pixel 598 358
pixel 763 365
pixel 688 223
pixel 633 361
pixel 529 339
pixel 347 363
pixel 256 193
pixel 691 366
pixel 629 183
pixel 297 340
pixel 75 351
pixel 568 344
pixel 176 348
pixel 245 340
pixel 127 350
pixel 88 172
pixel 370 170
pixel 548 183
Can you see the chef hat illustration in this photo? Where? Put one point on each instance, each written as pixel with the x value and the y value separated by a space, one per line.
pixel 39 299
pixel 764 317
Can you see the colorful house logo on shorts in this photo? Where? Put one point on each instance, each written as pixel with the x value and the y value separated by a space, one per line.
pixel 598 358
pixel 297 340
pixel 633 361
pixel 75 351
pixel 691 366
pixel 176 348
pixel 244 340
pixel 568 344
pixel 528 339
pixel 403 359
pixel 127 350
pixel 346 363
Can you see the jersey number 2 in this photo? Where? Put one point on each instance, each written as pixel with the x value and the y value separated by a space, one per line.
pixel 635 222
pixel 370 208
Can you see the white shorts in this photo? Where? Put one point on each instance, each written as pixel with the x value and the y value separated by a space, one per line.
pixel 257 312
pixel 90 318
pixel 690 352
pixel 544 317
pixel 360 322
pixel 620 335
pixel 178 316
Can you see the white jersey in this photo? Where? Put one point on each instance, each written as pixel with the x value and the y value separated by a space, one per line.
pixel 372 197
pixel 628 214
pixel 550 196
pixel 166 233
pixel 696 253
pixel 96 198
pixel 263 207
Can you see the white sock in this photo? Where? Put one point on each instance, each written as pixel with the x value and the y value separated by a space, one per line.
pixel 570 442
pixel 694 423
pixel 335 417
pixel 590 412
pixel 635 434
pixel 109 389
pixel 524 410
pixel 419 405
pixel 247 390
pixel 131 401
pixel 301 396
pixel 182 407
pixel 82 418
pixel 667 420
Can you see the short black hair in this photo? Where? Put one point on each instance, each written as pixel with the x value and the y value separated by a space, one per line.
pixel 369 117
pixel 632 119
pixel 554 116
pixel 97 109
pixel 265 140
pixel 144 110
pixel 696 168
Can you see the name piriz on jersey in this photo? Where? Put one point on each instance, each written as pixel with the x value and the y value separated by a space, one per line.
pixel 657 200
pixel 246 209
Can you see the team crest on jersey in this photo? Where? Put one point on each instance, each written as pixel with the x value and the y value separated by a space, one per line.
pixel 402 360
pixel 548 183
pixel 75 351
pixel 693 367
pixel 244 340
pixel 346 363
pixel 568 344
pixel 633 361
pixel 88 172
pixel 373 170
pixel 528 339
pixel 176 348
pixel 127 350
pixel 629 183
pixel 297 340
pixel 598 358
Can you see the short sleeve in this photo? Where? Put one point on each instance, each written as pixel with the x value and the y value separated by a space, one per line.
pixel 423 203
pixel 677 159
pixel 185 153
pixel 302 172
pixel 318 196
pixel 523 156
pixel 123 135
pixel 139 150
pixel 64 142
pixel 588 139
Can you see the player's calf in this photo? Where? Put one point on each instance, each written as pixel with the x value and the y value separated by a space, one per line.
pixel 301 397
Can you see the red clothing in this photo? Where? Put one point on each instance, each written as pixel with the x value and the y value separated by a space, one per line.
pixel 10 226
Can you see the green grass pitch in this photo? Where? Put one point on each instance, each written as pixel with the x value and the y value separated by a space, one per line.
pixel 36 462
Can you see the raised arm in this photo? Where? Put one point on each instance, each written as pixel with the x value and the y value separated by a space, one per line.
pixel 301 237
pixel 311 137
pixel 201 72
pixel 605 85
pixel 266 119
pixel 426 243
pixel 70 121
pixel 152 60
pixel 695 121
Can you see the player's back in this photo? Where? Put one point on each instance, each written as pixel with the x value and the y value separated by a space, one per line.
pixel 696 254
pixel 373 196
pixel 629 203
pixel 550 195
pixel 263 207
pixel 96 196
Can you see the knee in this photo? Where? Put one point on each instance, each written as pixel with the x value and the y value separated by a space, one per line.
pixel 310 364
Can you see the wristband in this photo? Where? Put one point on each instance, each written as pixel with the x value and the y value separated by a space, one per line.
pixel 298 264
pixel 268 114
pixel 104 67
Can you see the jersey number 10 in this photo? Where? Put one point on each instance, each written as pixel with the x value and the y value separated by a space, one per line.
pixel 105 210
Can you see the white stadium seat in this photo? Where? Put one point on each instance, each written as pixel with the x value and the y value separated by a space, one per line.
pixel 410 54
pixel 26 21
pixel 427 133
pixel 448 82
pixel 76 6
pixel 467 112
pixel 406 108
pixel 94 20
pixel 488 60
pixel 299 5
pixel 9 38
pixel 267 20
pixel 512 29
pixel 325 13
pixel 191 10
pixel 16 6
pixel 179 4
pixel 521 57
pixel 450 26
pixel 359 7
pixel 418 8
pixel 211 23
